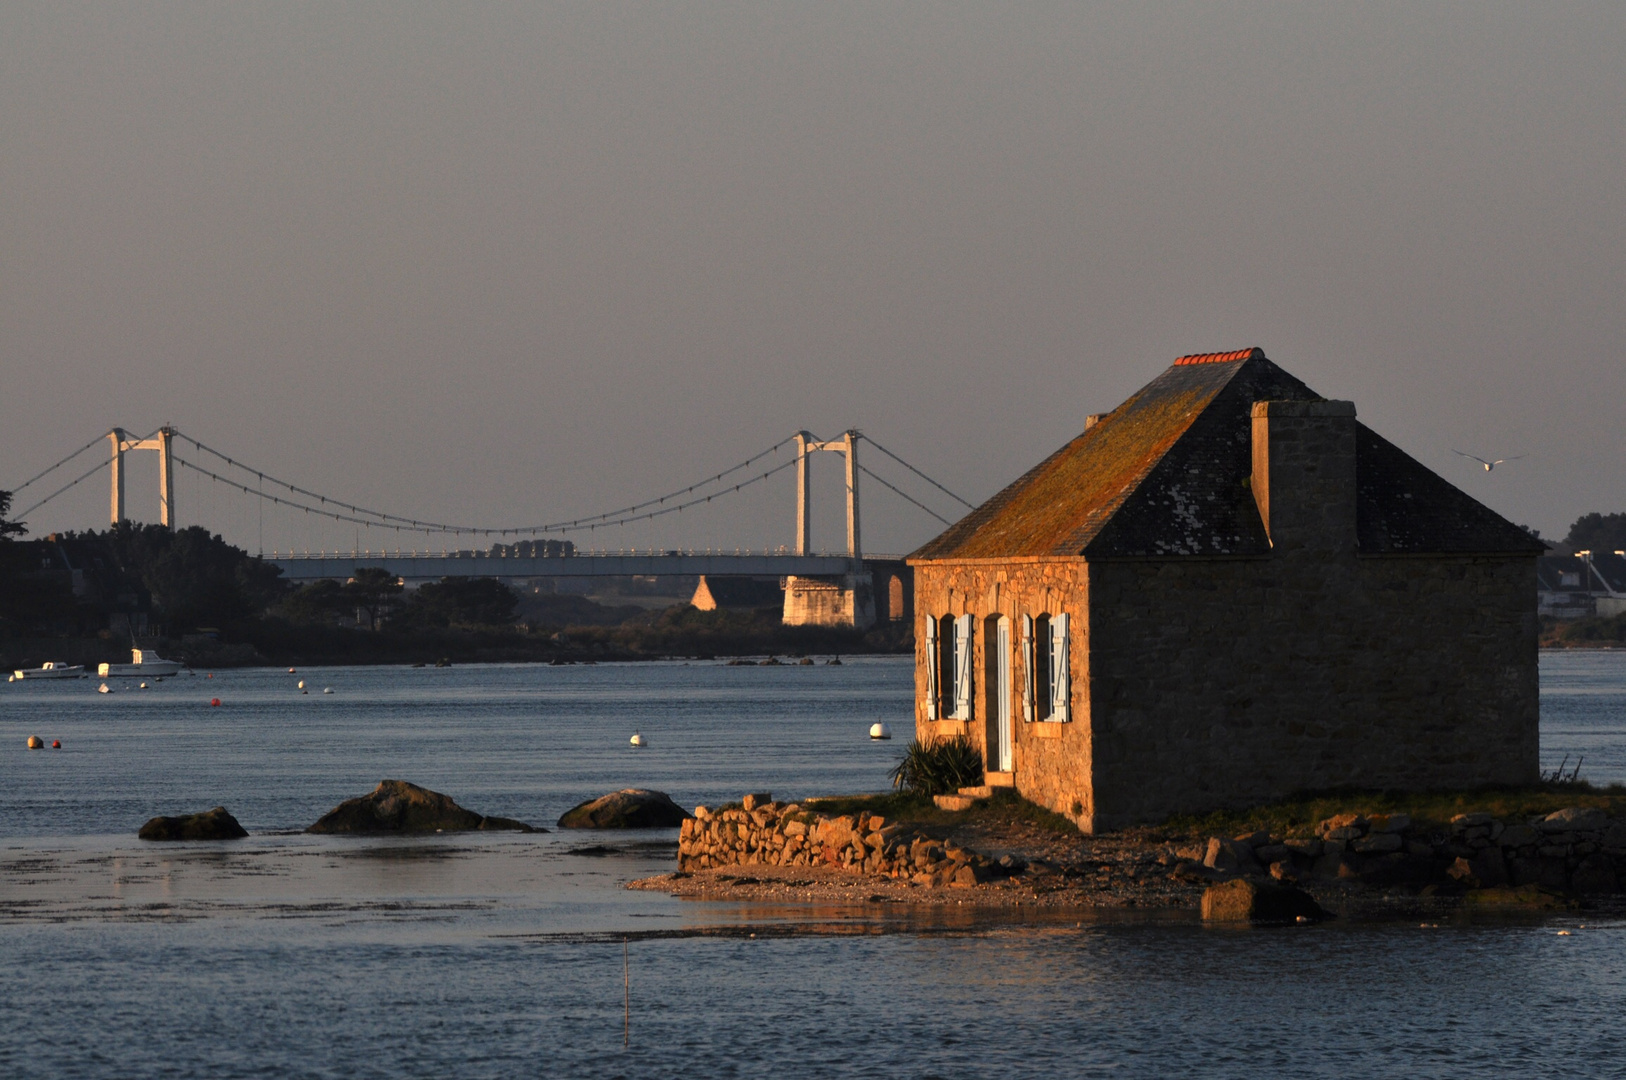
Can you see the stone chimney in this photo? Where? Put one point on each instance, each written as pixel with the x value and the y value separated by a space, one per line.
pixel 1304 475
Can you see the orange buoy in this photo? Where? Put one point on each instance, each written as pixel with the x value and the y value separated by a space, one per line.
pixel 214 701
pixel 290 671
pixel 35 742
pixel 56 744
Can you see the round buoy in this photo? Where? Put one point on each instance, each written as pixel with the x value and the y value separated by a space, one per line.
pixel 214 701
pixel 143 686
pixel 56 744
pixel 290 671
pixel 880 731
pixel 638 739
pixel 36 743
pixel 327 689
pixel 103 689
pixel 210 675
pixel 301 681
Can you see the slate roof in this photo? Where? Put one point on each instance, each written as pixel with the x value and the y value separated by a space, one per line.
pixel 1166 473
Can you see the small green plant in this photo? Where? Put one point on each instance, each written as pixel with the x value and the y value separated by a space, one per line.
pixel 938 767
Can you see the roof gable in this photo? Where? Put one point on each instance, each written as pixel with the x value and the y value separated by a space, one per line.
pixel 1402 507
pixel 1167 473
pixel 1062 502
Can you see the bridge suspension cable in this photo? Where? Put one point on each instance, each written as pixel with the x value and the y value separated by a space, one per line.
pixel 406 524
pixel 350 513
pixel 40 476
pixel 969 505
pixel 98 467
pixel 904 497
pixel 583 524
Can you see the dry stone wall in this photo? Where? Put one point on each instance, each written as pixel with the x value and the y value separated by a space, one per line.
pixel 761 832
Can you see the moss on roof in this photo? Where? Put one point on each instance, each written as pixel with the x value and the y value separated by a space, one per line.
pixel 1167 474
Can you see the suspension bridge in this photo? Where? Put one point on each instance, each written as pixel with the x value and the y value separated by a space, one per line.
pixel 820 587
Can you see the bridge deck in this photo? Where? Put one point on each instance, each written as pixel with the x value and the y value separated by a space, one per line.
pixel 433 567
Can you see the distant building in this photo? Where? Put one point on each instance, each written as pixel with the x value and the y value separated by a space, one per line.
pixel 1224 591
pixel 1578 586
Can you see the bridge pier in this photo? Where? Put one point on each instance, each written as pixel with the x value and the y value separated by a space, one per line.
pixel 847 600
pixel 883 591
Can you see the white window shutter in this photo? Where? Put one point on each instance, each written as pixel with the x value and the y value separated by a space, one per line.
pixel 1061 689
pixel 962 667
pixel 1027 669
pixel 931 667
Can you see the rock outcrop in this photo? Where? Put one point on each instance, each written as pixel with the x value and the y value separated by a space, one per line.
pixel 1577 850
pixel 216 824
pixel 396 806
pixel 629 808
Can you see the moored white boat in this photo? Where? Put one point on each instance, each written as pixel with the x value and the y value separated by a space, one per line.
pixel 142 662
pixel 51 670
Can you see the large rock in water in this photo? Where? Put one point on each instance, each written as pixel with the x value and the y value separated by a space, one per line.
pixel 1243 900
pixel 214 824
pixel 629 808
pixel 396 806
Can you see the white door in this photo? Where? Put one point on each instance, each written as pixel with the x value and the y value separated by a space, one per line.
pixel 1002 643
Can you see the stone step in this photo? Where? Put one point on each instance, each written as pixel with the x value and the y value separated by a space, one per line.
pixel 954 802
pixel 999 779
pixel 981 791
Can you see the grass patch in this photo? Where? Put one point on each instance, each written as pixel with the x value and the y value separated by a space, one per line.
pixel 909 808
pixel 894 806
pixel 1298 815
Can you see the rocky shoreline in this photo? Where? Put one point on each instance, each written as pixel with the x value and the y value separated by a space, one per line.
pixel 1352 865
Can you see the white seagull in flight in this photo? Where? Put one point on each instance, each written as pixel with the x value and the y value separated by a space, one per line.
pixel 1489 465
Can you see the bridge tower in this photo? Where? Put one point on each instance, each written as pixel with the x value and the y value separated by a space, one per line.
pixel 848 600
pixel 166 472
pixel 847 447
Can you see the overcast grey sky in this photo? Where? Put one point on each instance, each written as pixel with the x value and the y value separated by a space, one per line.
pixel 517 262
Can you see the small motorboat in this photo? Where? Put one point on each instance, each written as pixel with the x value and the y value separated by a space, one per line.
pixel 51 670
pixel 142 662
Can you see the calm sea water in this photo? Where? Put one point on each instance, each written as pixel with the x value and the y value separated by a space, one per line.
pixel 502 955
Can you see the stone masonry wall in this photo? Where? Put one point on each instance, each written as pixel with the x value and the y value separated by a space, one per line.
pixel 1207 683
pixel 1577 850
pixel 761 832
pixel 1052 760
pixel 1226 683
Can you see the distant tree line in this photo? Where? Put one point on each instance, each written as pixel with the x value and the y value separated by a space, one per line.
pixel 135 579
pixel 1596 532
pixel 129 575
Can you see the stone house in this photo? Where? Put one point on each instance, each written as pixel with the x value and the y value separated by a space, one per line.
pixel 1224 591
